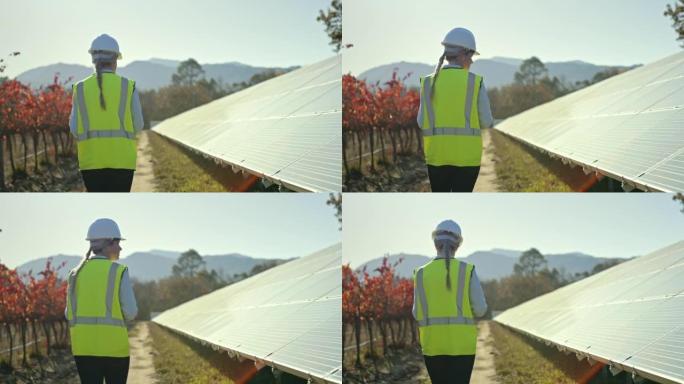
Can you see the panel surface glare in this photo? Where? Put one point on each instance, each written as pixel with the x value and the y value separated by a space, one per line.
pixel 289 316
pixel 287 130
pixel 629 127
pixel 628 316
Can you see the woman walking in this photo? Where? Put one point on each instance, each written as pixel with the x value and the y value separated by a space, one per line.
pixel 99 300
pixel 453 107
pixel 447 298
pixel 105 117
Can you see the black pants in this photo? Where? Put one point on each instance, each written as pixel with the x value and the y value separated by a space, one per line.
pixel 94 369
pixel 108 180
pixel 450 369
pixel 450 178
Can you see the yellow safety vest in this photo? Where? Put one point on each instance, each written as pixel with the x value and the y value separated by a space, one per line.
pixel 451 122
pixel 106 137
pixel 96 321
pixel 445 317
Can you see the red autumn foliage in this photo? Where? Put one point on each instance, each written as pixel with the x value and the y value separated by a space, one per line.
pixel 357 104
pixel 23 110
pixel 372 114
pixel 53 107
pixel 379 300
pixel 27 300
pixel 376 296
pixel 17 103
pixel 33 116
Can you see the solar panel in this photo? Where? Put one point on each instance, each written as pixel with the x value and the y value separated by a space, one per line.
pixel 287 130
pixel 288 316
pixel 628 316
pixel 629 127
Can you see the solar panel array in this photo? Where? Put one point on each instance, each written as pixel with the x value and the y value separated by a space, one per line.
pixel 629 127
pixel 287 130
pixel 289 317
pixel 629 316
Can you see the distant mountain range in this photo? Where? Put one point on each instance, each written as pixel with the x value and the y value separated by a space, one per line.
pixel 492 264
pixel 148 74
pixel 496 71
pixel 156 264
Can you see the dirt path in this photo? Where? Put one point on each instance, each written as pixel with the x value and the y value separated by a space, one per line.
pixel 414 371
pixel 142 367
pixel 143 181
pixel 486 182
pixel 484 371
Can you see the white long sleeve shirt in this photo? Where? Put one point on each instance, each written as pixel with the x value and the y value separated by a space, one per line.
pixel 478 302
pixel 483 107
pixel 129 306
pixel 136 110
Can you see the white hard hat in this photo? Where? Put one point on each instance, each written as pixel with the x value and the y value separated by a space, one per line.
pixel 460 37
pixel 448 230
pixel 104 229
pixel 105 43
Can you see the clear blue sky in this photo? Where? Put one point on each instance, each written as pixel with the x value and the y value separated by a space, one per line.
pixel 602 225
pixel 259 225
pixel 609 32
pixel 264 32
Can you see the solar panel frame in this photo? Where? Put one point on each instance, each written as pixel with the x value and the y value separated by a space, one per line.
pixel 629 127
pixel 624 316
pixel 286 130
pixel 289 317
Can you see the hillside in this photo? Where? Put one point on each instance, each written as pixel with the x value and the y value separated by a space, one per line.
pixel 148 74
pixel 155 264
pixel 496 71
pixel 493 264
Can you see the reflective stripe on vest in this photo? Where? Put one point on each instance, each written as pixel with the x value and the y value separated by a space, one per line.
pixel 112 132
pixel 96 321
pixel 446 324
pixel 426 320
pixel 106 136
pixel 109 297
pixel 450 118
pixel 432 130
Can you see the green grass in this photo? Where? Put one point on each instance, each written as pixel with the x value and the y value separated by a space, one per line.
pixel 177 169
pixel 177 361
pixel 520 169
pixel 180 360
pixel 522 360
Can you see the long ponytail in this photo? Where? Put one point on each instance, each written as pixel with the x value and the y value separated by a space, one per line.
pixel 98 70
pixel 448 278
pixel 434 82
pixel 83 262
pixel 72 279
